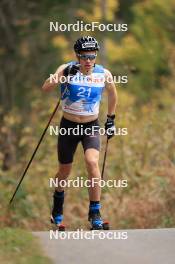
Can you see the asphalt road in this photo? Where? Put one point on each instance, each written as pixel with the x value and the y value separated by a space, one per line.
pixel 144 246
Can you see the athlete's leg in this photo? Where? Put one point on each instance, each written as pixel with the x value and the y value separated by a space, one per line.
pixel 94 216
pixel 91 145
pixel 58 196
pixel 91 160
pixel 67 145
pixel 62 174
pixel 66 148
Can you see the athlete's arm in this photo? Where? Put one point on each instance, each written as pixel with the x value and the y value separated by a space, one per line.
pixel 111 91
pixel 50 83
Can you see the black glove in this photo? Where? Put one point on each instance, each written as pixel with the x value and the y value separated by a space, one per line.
pixel 71 70
pixel 110 126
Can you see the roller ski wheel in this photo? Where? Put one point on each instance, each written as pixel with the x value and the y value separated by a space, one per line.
pixel 57 221
pixel 106 225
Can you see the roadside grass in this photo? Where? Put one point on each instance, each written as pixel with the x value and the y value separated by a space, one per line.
pixel 20 247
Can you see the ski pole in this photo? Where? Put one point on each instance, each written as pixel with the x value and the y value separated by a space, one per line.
pixel 30 161
pixel 104 160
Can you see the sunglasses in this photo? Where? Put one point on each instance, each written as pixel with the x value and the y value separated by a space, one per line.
pixel 87 56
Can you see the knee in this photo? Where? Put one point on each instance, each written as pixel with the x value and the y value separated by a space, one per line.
pixel 64 170
pixel 91 163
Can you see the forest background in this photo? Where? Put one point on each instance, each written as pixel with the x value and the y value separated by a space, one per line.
pixel 29 52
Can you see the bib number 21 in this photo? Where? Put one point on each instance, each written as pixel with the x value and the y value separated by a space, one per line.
pixel 82 91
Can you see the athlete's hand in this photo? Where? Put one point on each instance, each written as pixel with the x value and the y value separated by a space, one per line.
pixel 110 126
pixel 71 70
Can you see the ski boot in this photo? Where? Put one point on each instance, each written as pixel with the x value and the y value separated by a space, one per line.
pixel 57 220
pixel 96 221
